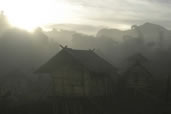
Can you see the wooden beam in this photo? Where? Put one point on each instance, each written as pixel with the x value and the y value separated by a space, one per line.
pixel 66 46
pixel 62 46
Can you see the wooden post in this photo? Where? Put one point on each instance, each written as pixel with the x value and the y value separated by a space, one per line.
pixel 53 84
pixel 63 84
pixel 168 89
pixel 83 82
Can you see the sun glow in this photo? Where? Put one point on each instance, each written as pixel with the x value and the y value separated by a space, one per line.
pixel 30 14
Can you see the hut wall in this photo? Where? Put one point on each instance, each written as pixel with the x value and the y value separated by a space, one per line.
pixel 74 82
pixel 87 83
pixel 96 85
pixel 68 82
pixel 138 80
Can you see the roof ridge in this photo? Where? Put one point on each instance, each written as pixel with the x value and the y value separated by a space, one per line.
pixel 86 58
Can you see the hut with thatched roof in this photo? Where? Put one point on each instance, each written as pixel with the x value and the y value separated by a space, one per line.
pixel 79 73
pixel 137 77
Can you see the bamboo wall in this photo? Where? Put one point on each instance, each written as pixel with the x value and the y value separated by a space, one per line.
pixel 72 82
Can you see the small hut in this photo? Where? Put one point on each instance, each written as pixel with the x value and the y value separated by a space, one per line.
pixel 79 73
pixel 137 76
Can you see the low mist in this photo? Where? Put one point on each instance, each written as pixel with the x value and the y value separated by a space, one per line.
pixel 23 52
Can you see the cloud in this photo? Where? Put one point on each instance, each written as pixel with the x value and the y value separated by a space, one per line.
pixel 128 12
pixel 112 13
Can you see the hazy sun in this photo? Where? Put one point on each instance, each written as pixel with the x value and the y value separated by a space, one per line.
pixel 29 14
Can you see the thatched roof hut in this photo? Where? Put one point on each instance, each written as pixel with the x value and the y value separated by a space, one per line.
pixel 79 73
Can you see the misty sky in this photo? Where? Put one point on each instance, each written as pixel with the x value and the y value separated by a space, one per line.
pixel 113 13
pixel 125 12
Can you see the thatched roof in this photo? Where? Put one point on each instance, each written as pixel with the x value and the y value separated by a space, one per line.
pixel 138 64
pixel 139 68
pixel 86 58
pixel 137 58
